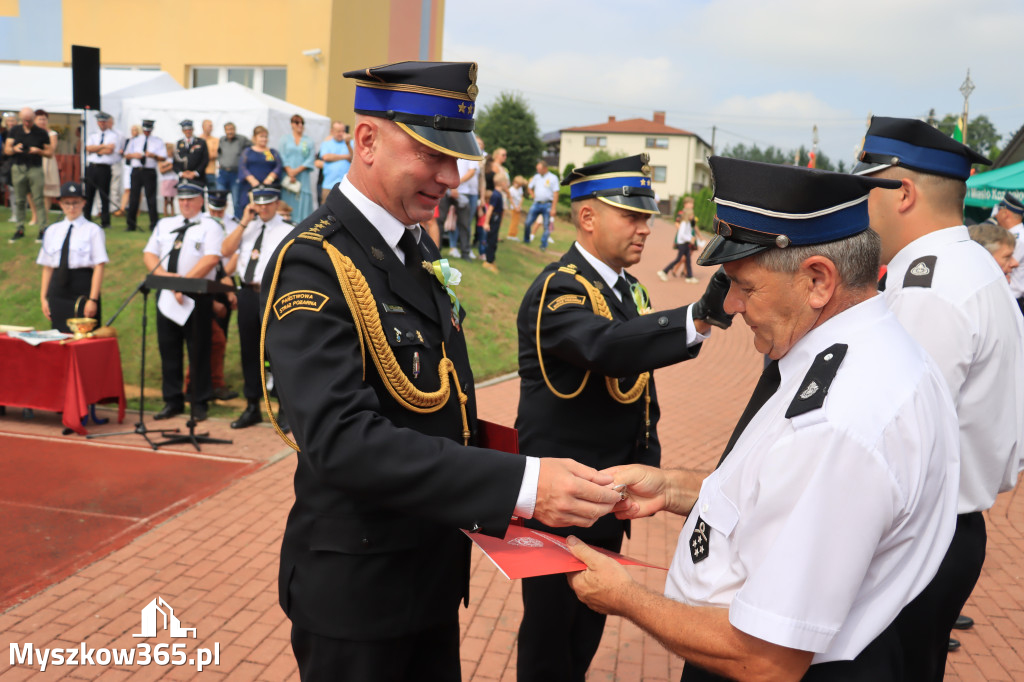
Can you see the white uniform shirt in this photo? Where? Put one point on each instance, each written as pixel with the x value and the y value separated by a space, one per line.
pixel 1017 274
pixel 202 238
pixel 969 323
pixel 88 246
pixel 155 145
pixel 105 137
pixel 544 187
pixel 825 525
pixel 277 229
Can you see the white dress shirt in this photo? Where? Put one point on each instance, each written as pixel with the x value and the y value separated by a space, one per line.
pixel 87 249
pixel 821 527
pixel 969 323
pixel 610 277
pixel 202 238
pixel 391 229
pixel 105 137
pixel 1017 274
pixel 155 145
pixel 544 187
pixel 276 230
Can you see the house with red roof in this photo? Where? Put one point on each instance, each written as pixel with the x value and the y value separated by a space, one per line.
pixel 678 157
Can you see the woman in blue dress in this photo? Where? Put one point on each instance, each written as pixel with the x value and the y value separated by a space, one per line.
pixel 258 165
pixel 298 155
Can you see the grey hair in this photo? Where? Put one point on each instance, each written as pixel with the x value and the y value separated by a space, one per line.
pixel 857 258
pixel 992 236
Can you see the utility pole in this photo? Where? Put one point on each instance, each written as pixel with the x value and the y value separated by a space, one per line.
pixel 966 89
pixel 713 130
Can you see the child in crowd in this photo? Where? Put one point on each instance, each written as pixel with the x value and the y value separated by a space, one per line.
pixel 515 207
pixel 492 219
pixel 168 181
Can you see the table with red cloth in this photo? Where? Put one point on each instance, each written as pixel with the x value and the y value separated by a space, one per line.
pixel 62 378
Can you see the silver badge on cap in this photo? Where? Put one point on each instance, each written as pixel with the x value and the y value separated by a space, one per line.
pixel 782 241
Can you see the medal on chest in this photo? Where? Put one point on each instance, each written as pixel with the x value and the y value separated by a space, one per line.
pixel 700 543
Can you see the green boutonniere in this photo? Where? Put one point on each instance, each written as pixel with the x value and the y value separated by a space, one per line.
pixel 448 277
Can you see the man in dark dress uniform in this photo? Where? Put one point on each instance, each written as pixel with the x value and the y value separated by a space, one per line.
pixel 367 351
pixel 191 156
pixel 587 388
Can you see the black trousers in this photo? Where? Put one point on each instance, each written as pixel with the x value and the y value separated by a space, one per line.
pixel 559 634
pixel 429 655
pixel 196 335
pixel 97 177
pixel 881 661
pixel 69 301
pixel 249 342
pixel 682 251
pixel 925 623
pixel 142 179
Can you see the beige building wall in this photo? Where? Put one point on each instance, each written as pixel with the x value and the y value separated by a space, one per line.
pixel 176 35
pixel 684 159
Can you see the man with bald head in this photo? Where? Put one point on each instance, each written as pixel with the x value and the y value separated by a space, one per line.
pixel 28 144
pixel 364 335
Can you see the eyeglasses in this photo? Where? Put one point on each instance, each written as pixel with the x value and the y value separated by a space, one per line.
pixel 298 123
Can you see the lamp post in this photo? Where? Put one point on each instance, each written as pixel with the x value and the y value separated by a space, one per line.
pixel 966 89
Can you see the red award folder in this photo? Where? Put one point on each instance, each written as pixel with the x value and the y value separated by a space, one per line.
pixel 497 437
pixel 526 553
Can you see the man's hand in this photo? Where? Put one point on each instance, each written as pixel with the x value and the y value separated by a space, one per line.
pixel 645 491
pixel 90 308
pixel 711 306
pixel 604 586
pixel 572 494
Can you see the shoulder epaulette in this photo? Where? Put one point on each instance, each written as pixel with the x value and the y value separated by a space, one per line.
pixel 569 269
pixel 920 272
pixel 814 387
pixel 321 230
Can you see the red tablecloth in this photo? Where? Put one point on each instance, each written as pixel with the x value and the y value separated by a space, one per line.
pixel 60 378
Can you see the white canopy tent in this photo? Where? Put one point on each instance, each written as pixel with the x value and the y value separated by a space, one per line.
pixel 227 102
pixel 49 88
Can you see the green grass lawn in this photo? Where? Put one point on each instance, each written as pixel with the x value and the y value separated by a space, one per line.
pixel 491 300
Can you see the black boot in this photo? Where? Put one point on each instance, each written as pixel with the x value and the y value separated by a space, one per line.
pixel 251 415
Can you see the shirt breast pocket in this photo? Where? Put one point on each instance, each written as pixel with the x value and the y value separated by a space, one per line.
pixel 711 534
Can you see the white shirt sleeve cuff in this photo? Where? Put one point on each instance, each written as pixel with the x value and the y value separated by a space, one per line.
pixel 527 501
pixel 692 336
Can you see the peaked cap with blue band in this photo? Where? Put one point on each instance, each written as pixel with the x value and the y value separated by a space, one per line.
pixel 265 195
pixel 431 101
pixel 915 145
pixel 188 190
pixel 765 206
pixel 217 198
pixel 1012 203
pixel 625 183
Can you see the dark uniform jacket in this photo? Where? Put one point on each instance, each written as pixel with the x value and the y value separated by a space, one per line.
pixel 591 428
pixel 194 157
pixel 372 548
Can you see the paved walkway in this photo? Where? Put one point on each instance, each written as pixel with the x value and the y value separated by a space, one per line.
pixel 216 563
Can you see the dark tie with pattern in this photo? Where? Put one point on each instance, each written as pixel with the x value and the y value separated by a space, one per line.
pixel 254 256
pixel 63 275
pixel 765 389
pixel 622 286
pixel 411 249
pixel 172 261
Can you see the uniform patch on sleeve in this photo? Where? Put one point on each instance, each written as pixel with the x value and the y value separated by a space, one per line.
pixel 920 272
pixel 567 299
pixel 303 299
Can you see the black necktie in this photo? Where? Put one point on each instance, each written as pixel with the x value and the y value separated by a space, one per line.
pixel 411 248
pixel 145 143
pixel 881 282
pixel 765 389
pixel 102 133
pixel 172 262
pixel 622 286
pixel 63 270
pixel 254 256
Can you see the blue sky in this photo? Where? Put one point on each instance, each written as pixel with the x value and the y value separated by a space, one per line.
pixel 762 71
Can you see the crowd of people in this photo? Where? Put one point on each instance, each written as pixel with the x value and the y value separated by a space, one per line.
pixel 839 536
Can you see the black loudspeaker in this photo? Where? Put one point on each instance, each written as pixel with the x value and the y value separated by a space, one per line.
pixel 85 77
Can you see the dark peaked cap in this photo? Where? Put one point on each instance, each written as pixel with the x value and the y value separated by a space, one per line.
pixel 917 146
pixel 433 102
pixel 765 206
pixel 625 183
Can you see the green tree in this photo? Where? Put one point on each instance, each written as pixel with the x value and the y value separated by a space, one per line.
pixel 509 122
pixel 603 155
pixel 981 134
pixel 772 154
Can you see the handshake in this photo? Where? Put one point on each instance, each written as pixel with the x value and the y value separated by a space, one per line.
pixel 573 494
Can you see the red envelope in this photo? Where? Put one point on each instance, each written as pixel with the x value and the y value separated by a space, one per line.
pixel 526 553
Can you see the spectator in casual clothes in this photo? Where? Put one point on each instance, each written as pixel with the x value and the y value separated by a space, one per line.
pixel 683 244
pixel 29 145
pixel 168 182
pixel 126 172
pixel 999 242
pixel 211 147
pixel 543 188
pixel 51 174
pixel 336 154
pixel 297 155
pixel 495 211
pixel 257 165
pixel 229 152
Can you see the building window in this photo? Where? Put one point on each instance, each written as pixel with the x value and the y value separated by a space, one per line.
pixel 660 173
pixel 595 141
pixel 272 80
pixel 657 143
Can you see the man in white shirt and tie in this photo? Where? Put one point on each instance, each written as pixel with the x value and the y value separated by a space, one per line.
pixel 144 152
pixel 103 148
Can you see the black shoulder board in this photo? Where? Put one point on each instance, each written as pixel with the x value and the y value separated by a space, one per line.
pixel 815 385
pixel 320 230
pixel 920 272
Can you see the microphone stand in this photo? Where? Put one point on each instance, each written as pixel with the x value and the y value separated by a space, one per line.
pixel 140 426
